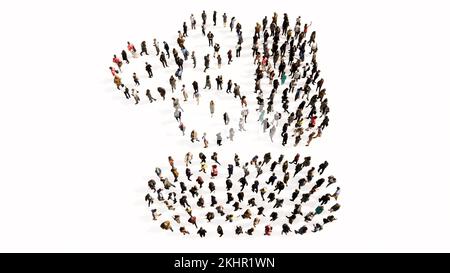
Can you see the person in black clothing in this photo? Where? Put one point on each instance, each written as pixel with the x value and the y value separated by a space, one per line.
pixel 149 95
pixel 163 60
pixel 210 38
pixel 243 182
pixel 295 194
pixel 206 58
pixel 201 232
pixel 143 48
pixel 185 29
pixel 324 123
pixel 238 50
pixel 126 92
pixel 230 170
pixel 136 79
pixel 301 230
pixel 229 184
pixel 195 86
pixel 273 216
pixel 149 199
pixel 322 167
pixel 229 86
pixel 255 186
pixel 188 174
pixel 204 17
pixel 219 231
pixel 125 57
pixel 213 201
pixel 202 157
pixel 219 81
pixel 148 68
pixel 325 199
pixel 167 49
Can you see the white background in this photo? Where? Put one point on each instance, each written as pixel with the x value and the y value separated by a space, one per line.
pixel 72 153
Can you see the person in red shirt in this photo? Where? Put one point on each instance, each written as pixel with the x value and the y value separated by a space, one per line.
pixel 132 50
pixel 118 62
pixel 131 47
pixel 312 123
pixel 113 71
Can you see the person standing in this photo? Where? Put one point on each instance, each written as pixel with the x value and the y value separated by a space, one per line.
pixel 118 62
pixel 232 22
pixel 136 79
pixel 135 94
pixel 143 48
pixel 219 139
pixel 231 134
pixel 148 68
pixel 167 49
pixel 206 59
pixel 285 138
pixel 205 141
pixel 185 29
pixel 176 104
pixel 226 118
pixel 204 17
pixel 207 82
pixel 204 29
pixel 211 107
pixel 182 128
pixel 272 132
pixel 216 50
pixel 210 38
pixel 224 17
pixel 237 91
pixel 219 82
pixel 117 81
pixel 194 59
pixel 238 50
pixel 261 115
pixel 156 45
pixel 193 22
pixel 177 115
pixel 126 92
pixel 322 167
pixel 230 56
pixel 219 231
pixel 173 83
pixel 283 78
pixel 229 85
pixel 194 136
pixel 162 92
pixel 132 49
pixel 241 124
pixel 219 61
pixel 324 123
pixel 310 138
pixel 163 60
pixel 336 194
pixel 197 97
pixel 149 95
pixel 185 94
pixel 125 56
pixel 244 114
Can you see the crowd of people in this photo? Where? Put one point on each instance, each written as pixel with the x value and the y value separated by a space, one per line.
pixel 283 56
pixel 183 94
pixel 290 106
pixel 261 195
